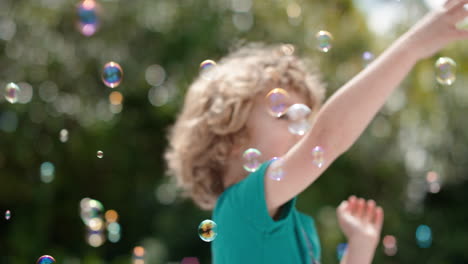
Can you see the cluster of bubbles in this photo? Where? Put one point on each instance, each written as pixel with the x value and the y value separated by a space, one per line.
pixel 12 92
pixel 46 259
pixel 100 154
pixel 7 215
pixel 47 172
pixel 341 250
pixel 88 19
pixel 208 69
pixel 445 70
pixel 138 256
pixel 207 230
pixel 112 74
pixel 324 40
pixel 389 243
pixel 92 215
pixel 424 236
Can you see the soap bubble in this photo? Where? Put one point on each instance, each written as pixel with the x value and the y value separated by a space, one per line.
pixel 112 74
pixel 276 171
pixel 88 20
pixel 7 215
pixel 100 154
pixel 46 259
pixel 251 159
pixel 324 40
pixel 318 156
pixel 12 92
pixel 445 70
pixel 207 230
pixel 277 102
pixel 208 69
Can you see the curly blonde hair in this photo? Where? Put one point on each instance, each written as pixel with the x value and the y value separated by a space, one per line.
pixel 216 109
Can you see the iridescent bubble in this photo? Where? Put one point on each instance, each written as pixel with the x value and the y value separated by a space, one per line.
pixel 276 171
pixel 12 92
pixel 47 172
pixel 90 209
pixel 424 236
pixel 298 115
pixel 324 40
pixel 277 102
pixel 318 156
pixel 63 135
pixel 88 20
pixel 46 259
pixel 207 230
pixel 367 57
pixel 390 245
pixel 445 70
pixel 251 159
pixel 100 154
pixel 208 69
pixel 7 215
pixel 112 74
pixel 341 250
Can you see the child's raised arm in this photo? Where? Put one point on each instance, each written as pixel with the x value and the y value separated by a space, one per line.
pixel 348 112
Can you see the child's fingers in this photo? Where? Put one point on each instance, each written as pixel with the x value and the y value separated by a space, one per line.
pixel 369 213
pixel 343 207
pixel 352 204
pixel 378 218
pixel 453 4
pixel 458 12
pixel 360 207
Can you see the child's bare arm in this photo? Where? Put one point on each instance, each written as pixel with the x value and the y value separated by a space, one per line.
pixel 348 112
pixel 361 222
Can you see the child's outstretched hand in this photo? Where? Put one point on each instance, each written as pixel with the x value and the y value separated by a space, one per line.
pixel 360 220
pixel 437 29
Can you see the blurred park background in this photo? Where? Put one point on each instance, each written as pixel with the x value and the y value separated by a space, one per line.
pixel 412 159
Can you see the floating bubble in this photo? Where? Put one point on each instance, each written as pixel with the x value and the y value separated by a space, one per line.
pixel 90 209
pixel 88 20
pixel 207 230
pixel 208 69
pixel 277 102
pixel 46 259
pixel 7 215
pixel 390 245
pixel 12 92
pixel 298 112
pixel 276 171
pixel 341 250
pixel 367 57
pixel 299 127
pixel 318 156
pixel 100 154
pixel 63 135
pixel 112 74
pixel 424 236
pixel 324 40
pixel 251 159
pixel 47 172
pixel 445 70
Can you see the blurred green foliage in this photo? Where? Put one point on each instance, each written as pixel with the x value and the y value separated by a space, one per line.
pixel 420 129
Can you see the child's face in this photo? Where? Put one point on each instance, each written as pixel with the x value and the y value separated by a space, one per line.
pixel 269 134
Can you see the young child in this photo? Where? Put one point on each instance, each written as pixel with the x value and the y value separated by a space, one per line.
pixel 227 113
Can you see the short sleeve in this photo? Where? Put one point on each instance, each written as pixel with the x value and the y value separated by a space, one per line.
pixel 247 199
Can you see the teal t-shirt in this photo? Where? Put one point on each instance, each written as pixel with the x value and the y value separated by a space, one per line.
pixel 247 233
